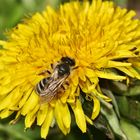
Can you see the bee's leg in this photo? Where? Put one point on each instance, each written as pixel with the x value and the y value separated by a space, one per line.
pixel 48 71
pixel 53 66
pixel 44 72
pixel 63 87
pixel 75 68
pixel 67 83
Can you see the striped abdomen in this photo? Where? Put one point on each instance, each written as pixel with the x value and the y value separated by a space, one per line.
pixel 42 85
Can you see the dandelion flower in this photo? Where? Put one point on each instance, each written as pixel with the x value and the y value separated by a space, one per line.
pixel 102 39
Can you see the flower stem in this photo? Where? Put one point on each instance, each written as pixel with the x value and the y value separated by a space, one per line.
pixel 13 132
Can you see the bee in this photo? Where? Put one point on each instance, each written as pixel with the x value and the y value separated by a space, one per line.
pixel 48 87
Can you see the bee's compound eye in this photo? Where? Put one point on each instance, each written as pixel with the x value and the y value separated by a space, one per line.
pixel 68 60
pixel 63 69
pixel 45 80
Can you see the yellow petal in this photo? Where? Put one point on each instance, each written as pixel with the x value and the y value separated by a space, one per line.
pixel 65 95
pixel 3 74
pixel 30 118
pixel 6 89
pixel 90 72
pixel 30 104
pixel 96 108
pixel 46 124
pixel 83 86
pixel 5 113
pixel 135 61
pixel 16 118
pixel 25 97
pixel 2 42
pixel 109 75
pixel 91 88
pixel 71 98
pixel 5 80
pixel 66 118
pixel 79 115
pixel 72 90
pixel 130 14
pixel 6 101
pixel 53 103
pixel 63 121
pixel 135 73
pixel 88 120
pixel 42 113
pixel 122 54
pixel 10 86
pixel 58 116
pixel 17 95
pixel 102 62
pixel 95 92
pixel 117 64
pixel 75 80
pixel 125 70
pixel 9 59
pixel 94 80
pixel 81 74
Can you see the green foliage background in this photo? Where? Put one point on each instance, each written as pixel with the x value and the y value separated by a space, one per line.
pixel 123 116
pixel 13 11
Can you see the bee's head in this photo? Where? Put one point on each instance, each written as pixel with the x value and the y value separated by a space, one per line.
pixel 63 69
pixel 69 61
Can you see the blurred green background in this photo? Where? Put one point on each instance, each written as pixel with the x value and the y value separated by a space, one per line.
pixel 11 13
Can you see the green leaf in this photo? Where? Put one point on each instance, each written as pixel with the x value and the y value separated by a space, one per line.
pixel 129 108
pixel 118 87
pixel 17 131
pixel 15 16
pixel 121 2
pixel 132 132
pixel 54 3
pixel 123 105
pixel 101 124
pixel 133 91
pixel 108 112
pixel 114 102
pixel 122 89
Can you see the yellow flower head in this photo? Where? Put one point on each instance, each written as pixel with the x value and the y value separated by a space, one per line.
pixel 98 36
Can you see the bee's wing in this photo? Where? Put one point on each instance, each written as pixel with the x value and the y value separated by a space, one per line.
pixel 52 89
pixel 44 99
pixel 55 74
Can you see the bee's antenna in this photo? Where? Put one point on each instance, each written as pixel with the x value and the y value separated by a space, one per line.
pixel 75 68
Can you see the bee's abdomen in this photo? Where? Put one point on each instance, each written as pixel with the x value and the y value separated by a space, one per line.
pixel 40 87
